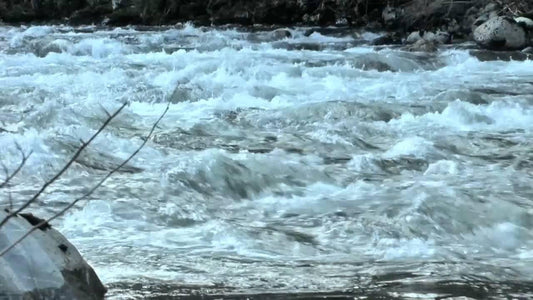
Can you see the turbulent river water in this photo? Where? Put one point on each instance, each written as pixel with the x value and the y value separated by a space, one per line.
pixel 312 163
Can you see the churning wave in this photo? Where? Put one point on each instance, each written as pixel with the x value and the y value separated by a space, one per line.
pixel 302 162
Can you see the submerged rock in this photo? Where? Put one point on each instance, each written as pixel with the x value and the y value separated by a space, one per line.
pixel 45 265
pixel 500 33
pixel 487 55
pixel 387 39
pixel 528 50
pixel 280 34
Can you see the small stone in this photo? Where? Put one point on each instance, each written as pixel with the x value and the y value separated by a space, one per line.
pixel 525 22
pixel 440 37
pixel 280 34
pixel 388 39
pixel 423 46
pixel 413 37
pixel 443 37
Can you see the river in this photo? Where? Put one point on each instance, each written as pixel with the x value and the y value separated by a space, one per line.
pixel 312 163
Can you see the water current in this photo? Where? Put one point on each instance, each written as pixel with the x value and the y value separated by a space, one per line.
pixel 309 163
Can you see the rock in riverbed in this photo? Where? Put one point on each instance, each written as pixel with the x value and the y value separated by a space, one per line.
pixel 439 37
pixel 422 46
pixel 525 22
pixel 44 265
pixel 501 33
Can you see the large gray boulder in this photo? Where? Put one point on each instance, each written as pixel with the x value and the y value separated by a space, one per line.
pixel 501 33
pixel 44 265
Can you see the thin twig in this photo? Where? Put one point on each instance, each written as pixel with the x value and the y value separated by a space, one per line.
pixel 70 162
pixel 10 201
pixel 6 172
pixel 17 170
pixel 105 111
pixel 37 226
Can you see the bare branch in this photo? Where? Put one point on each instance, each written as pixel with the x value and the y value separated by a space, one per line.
pixel 4 168
pixel 17 170
pixel 94 188
pixel 6 171
pixel 10 201
pixel 105 111
pixel 70 162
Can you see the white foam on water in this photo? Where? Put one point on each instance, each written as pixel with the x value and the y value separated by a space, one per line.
pixel 414 146
pixel 33 32
pixel 464 116
pixel 252 162
pixel 443 167
pixel 316 36
pixel 403 249
pixel 90 220
pixel 98 48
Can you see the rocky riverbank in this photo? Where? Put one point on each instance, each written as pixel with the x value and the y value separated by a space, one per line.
pixel 421 24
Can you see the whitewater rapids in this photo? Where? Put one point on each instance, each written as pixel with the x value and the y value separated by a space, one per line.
pixel 307 163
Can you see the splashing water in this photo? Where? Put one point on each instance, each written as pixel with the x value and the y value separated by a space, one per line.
pixel 309 163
